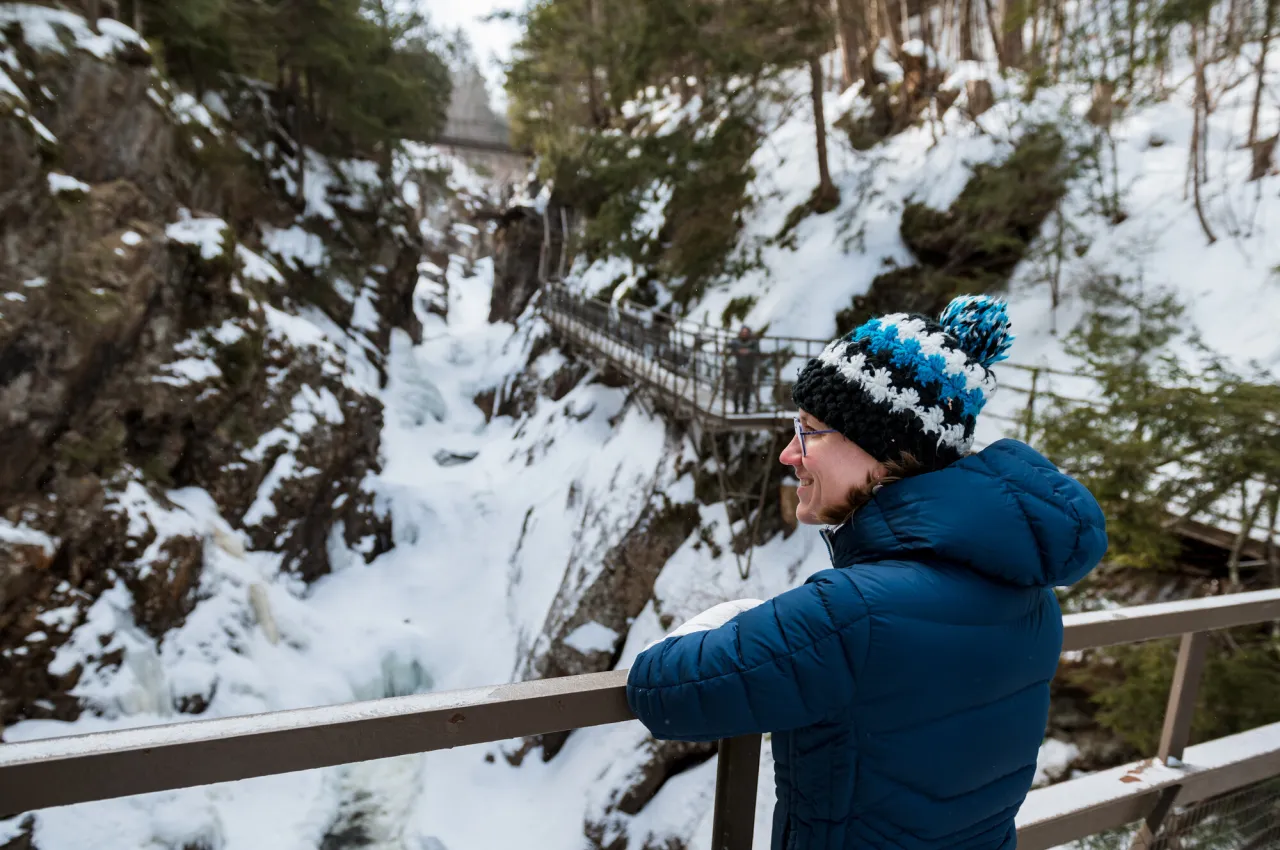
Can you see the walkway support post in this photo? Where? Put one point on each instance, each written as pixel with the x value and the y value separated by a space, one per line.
pixel 737 775
pixel 1177 726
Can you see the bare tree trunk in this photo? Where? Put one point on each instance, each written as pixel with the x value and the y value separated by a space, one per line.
pixel 846 44
pixel 1248 519
pixel 996 41
pixel 1133 45
pixel 1035 33
pixel 1059 35
pixel 868 21
pixel 1273 550
pixel 137 16
pixel 313 106
pixel 300 143
pixel 826 197
pixel 889 24
pixel 857 43
pixel 967 52
pixel 1268 22
pixel 1055 282
pixel 876 30
pixel 944 38
pixel 1011 21
pixel 1200 116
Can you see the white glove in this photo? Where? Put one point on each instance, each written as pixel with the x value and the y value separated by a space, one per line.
pixel 712 618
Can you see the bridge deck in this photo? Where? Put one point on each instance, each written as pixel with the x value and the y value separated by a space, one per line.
pixel 696 393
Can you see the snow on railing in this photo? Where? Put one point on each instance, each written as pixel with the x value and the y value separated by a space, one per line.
pixel 1130 793
pixel 105 765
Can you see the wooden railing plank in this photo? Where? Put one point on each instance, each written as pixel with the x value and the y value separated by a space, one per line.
pixel 1169 619
pixel 60 771
pixel 105 765
pixel 1123 795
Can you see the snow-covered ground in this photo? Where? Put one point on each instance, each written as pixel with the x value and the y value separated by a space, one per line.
pixel 1230 288
pixel 798 291
pixel 452 606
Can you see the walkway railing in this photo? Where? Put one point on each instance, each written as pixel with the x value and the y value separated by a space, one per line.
pixel 705 372
pixel 62 771
pixel 698 372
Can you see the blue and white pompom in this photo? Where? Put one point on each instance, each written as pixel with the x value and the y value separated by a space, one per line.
pixel 981 325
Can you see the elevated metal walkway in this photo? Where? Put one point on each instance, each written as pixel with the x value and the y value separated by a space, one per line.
pixel 694 373
pixel 696 370
pixel 691 369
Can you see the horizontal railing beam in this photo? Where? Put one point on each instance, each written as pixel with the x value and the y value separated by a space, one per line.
pixel 104 765
pixel 1169 619
pixel 74 769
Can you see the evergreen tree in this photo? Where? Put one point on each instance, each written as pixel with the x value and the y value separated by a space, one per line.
pixel 580 61
pixel 354 76
pixel 1175 430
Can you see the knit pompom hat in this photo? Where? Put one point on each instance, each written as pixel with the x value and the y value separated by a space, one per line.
pixel 908 383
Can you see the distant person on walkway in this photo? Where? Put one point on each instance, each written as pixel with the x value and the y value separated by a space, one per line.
pixel 745 351
pixel 906 687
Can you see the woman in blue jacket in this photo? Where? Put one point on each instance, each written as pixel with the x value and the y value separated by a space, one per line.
pixel 907 687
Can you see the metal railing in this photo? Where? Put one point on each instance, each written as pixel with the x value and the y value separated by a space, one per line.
pixel 1248 818
pixel 703 371
pixel 99 766
pixel 700 370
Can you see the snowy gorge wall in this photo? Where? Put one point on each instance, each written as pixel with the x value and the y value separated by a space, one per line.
pixel 276 489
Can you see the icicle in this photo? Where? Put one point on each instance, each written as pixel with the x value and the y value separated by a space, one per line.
pixel 228 542
pixel 262 610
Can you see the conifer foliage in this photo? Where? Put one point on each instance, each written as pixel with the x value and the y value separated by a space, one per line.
pixel 357 75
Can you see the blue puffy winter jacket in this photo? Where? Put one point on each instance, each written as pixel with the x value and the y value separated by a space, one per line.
pixel 907 689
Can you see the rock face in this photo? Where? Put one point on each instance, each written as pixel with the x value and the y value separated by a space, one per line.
pixel 975 245
pixel 604 589
pixel 146 346
pixel 586 627
pixel 652 764
pixel 517 251
pixel 519 262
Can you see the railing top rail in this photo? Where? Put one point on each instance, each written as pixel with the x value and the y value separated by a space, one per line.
pixel 1169 619
pixel 81 768
pixel 104 765
pixel 709 331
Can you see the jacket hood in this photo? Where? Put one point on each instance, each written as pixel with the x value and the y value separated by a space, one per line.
pixel 1005 512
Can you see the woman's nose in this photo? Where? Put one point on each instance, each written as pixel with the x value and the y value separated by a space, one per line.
pixel 791 454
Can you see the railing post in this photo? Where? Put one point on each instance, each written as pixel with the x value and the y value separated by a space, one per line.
pixel 1177 726
pixel 1182 696
pixel 1029 426
pixel 737 774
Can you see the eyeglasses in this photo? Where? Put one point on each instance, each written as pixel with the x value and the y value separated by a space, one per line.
pixel 802 433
